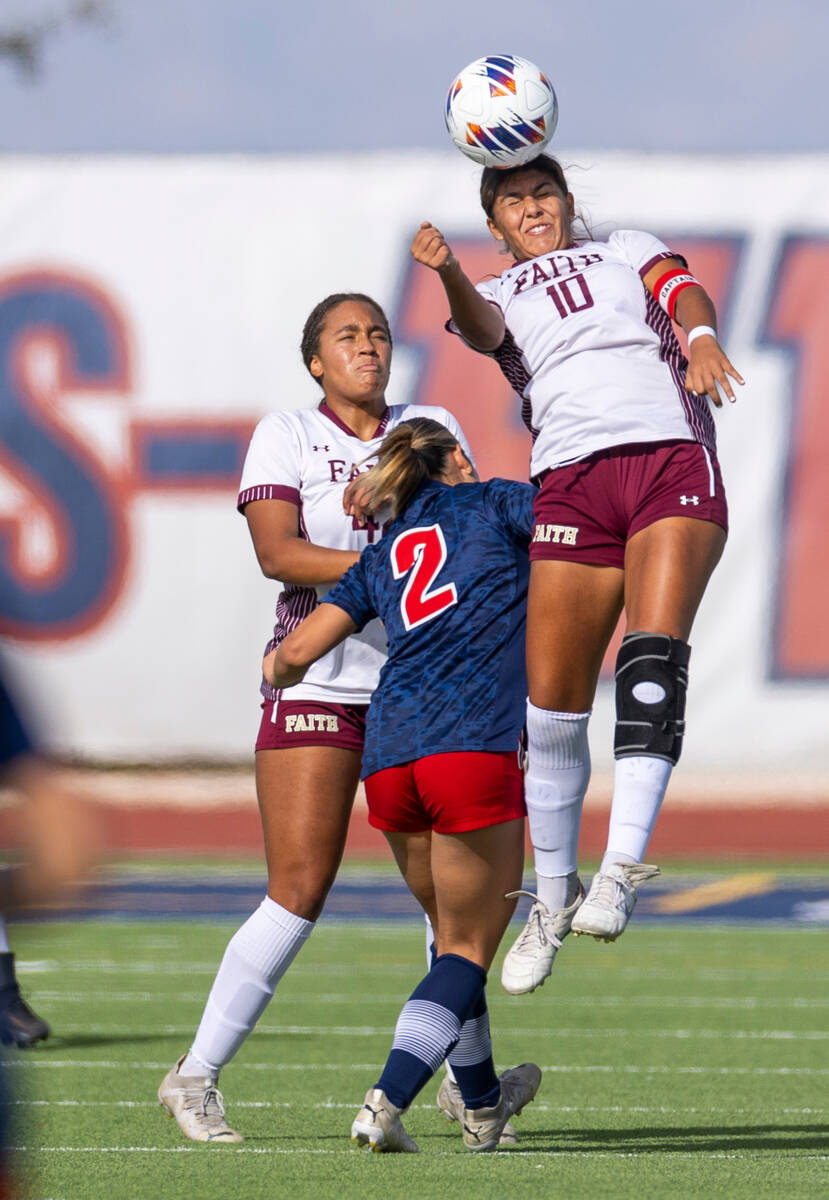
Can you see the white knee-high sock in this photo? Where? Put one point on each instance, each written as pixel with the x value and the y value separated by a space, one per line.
pixel 639 786
pixel 256 958
pixel 4 941
pixel 558 773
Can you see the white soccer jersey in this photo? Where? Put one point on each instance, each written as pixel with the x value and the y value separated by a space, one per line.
pixel 307 456
pixel 592 354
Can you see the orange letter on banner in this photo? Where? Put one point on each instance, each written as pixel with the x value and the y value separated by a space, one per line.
pixel 798 319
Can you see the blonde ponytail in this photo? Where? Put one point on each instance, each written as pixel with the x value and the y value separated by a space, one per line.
pixel 414 451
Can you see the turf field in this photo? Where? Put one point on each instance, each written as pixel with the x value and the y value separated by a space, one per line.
pixel 682 1062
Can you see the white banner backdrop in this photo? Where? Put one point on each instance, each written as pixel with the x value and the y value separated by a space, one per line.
pixel 150 312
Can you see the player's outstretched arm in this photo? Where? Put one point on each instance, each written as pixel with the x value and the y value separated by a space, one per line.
pixel 709 369
pixel 324 629
pixel 481 323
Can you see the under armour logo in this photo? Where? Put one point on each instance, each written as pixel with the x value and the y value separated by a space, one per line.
pixel 326 448
pixel 689 499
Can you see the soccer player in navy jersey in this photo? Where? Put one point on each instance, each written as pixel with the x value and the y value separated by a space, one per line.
pixel 441 762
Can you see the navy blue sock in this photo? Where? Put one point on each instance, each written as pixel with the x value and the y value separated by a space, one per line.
pixel 471 1059
pixel 429 1025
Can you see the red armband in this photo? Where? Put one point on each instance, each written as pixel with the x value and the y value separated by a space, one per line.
pixel 667 288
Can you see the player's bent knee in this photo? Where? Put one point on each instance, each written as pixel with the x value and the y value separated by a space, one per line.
pixel 304 897
pixel 651 686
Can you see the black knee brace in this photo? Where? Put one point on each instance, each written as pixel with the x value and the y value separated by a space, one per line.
pixel 654 729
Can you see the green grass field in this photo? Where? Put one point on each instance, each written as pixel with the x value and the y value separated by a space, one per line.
pixel 680 1062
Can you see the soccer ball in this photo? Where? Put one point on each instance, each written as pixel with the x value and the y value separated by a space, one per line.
pixel 501 111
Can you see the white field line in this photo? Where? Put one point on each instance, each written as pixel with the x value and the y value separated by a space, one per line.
pixel 106 1064
pixel 704 1002
pixel 661 1110
pixel 638 973
pixel 693 1155
pixel 769 1035
pixel 184 968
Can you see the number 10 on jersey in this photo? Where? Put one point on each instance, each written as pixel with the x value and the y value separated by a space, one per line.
pixel 565 300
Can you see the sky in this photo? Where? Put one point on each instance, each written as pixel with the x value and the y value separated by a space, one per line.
pixel 265 76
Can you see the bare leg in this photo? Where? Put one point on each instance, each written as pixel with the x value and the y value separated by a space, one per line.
pixel 305 800
pixel 667 568
pixel 465 876
pixel 413 855
pixel 572 611
pixel 472 873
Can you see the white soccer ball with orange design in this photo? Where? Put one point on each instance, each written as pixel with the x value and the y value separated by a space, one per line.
pixel 501 111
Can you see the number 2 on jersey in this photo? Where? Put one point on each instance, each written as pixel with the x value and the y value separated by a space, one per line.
pixel 420 553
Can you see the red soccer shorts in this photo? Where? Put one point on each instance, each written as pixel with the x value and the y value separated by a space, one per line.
pixel 287 723
pixel 449 793
pixel 586 512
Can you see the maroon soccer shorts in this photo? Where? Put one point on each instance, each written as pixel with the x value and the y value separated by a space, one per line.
pixel 586 512
pixel 287 723
pixel 450 793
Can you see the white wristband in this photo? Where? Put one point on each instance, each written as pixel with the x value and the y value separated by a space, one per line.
pixel 701 331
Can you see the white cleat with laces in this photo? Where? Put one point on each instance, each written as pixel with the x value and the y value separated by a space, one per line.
pixel 611 900
pixel 197 1104
pixel 530 958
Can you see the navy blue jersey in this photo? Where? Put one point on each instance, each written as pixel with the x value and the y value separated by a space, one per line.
pixel 449 581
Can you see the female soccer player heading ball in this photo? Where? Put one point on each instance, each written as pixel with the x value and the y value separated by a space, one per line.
pixel 631 514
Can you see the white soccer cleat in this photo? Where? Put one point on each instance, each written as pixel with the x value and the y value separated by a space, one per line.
pixel 611 900
pixel 530 959
pixel 378 1125
pixel 450 1103
pixel 197 1104
pixel 482 1127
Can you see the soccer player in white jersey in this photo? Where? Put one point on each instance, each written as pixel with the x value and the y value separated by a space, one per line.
pixel 630 514
pixel 311 736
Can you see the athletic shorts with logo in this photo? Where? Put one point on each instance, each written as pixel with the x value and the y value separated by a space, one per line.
pixel 587 511
pixel 449 793
pixel 287 723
